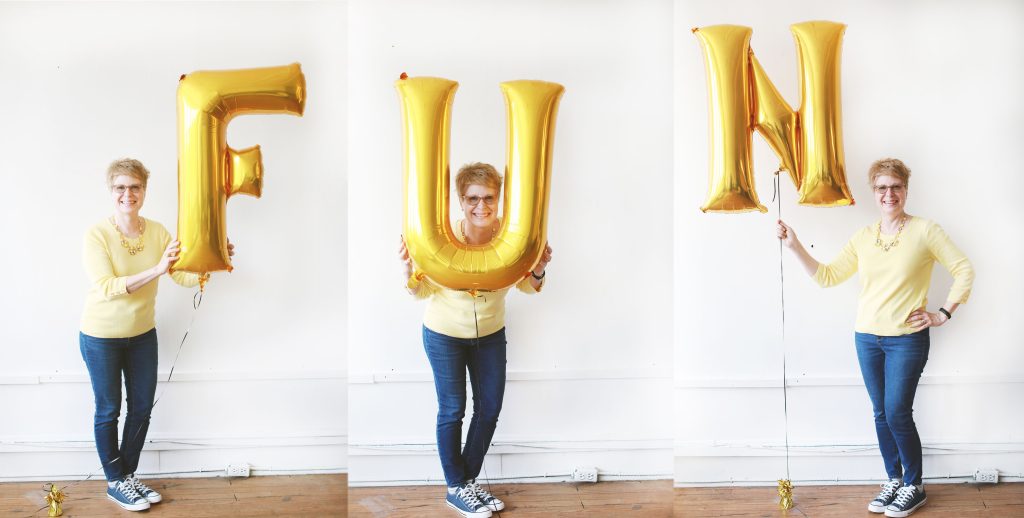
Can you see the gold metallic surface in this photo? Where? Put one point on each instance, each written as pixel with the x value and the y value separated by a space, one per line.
pixel 823 161
pixel 209 172
pixel 532 107
pixel 785 494
pixel 54 501
pixel 741 99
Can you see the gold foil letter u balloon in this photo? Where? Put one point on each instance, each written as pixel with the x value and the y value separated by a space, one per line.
pixel 426 123
pixel 741 98
pixel 209 172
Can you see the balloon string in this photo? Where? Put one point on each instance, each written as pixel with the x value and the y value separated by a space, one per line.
pixel 777 197
pixel 197 301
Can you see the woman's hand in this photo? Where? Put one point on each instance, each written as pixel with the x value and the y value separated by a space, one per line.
pixel 231 249
pixel 403 256
pixel 168 259
pixel 921 319
pixel 545 258
pixel 786 234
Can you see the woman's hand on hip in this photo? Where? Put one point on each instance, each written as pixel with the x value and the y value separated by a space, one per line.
pixel 921 319
pixel 169 257
pixel 545 258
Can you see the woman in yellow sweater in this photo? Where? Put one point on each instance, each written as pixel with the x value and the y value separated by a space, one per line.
pixel 463 332
pixel 124 255
pixel 894 259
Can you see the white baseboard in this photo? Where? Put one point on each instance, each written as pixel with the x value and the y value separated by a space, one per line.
pixel 180 376
pixel 365 377
pixel 834 381
pixel 511 460
pixel 75 458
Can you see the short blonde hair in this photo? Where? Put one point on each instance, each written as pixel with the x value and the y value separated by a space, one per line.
pixel 889 167
pixel 477 173
pixel 127 167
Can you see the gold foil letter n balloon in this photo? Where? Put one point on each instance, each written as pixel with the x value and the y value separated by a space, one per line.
pixel 741 99
pixel 209 172
pixel 426 122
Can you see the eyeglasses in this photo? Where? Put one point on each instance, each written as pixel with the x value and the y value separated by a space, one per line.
pixel 490 199
pixel 896 189
pixel 120 189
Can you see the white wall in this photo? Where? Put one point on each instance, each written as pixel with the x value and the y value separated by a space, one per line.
pixel 937 84
pixel 262 377
pixel 589 359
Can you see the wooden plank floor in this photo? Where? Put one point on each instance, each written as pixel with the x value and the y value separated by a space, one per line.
pixel 651 499
pixel 944 501
pixel 301 495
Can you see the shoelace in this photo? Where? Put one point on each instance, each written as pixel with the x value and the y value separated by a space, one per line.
pixel 904 495
pixel 126 488
pixel 139 486
pixel 888 489
pixel 468 495
pixel 481 493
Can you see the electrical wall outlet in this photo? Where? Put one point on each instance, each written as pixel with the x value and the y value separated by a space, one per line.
pixel 987 476
pixel 238 470
pixel 584 475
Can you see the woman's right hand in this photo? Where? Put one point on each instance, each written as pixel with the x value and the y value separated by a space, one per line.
pixel 403 255
pixel 169 258
pixel 786 234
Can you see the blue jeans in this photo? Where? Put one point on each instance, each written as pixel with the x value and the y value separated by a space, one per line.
pixel 106 359
pixel 892 366
pixel 450 357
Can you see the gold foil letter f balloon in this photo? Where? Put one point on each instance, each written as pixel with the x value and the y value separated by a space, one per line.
pixel 426 123
pixel 209 172
pixel 741 98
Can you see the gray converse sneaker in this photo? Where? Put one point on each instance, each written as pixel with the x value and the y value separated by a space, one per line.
pixel 885 496
pixel 147 492
pixel 490 501
pixel 908 499
pixel 123 493
pixel 464 500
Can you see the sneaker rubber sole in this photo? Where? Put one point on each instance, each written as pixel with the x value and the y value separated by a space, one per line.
pixel 469 514
pixel 878 509
pixel 908 512
pixel 129 507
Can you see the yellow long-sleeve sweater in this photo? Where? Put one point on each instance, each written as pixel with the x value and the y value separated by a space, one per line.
pixel 451 312
pixel 110 311
pixel 895 283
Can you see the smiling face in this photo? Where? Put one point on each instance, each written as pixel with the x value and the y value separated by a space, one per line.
pixel 890 194
pixel 480 205
pixel 128 194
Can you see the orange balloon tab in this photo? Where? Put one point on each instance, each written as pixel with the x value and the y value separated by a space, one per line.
pixel 210 172
pixel 532 107
pixel 741 99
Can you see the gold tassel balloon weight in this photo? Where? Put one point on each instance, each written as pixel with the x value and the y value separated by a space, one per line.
pixel 54 499
pixel 785 494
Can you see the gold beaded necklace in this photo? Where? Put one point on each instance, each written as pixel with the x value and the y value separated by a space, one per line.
pixel 132 248
pixel 895 241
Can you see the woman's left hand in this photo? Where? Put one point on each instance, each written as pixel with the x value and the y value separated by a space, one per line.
pixel 921 319
pixel 545 258
pixel 231 249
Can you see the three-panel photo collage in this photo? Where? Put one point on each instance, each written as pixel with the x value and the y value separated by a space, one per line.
pixel 512 258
